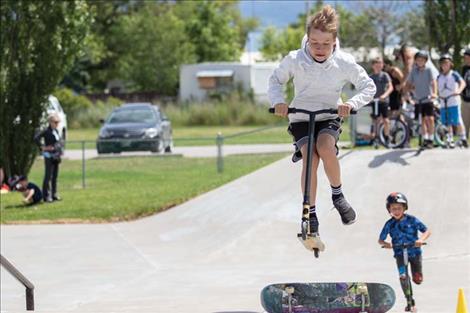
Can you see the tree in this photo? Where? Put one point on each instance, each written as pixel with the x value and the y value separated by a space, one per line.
pixel 384 21
pixel 354 31
pixel 102 47
pixel 448 25
pixel 39 40
pixel 213 33
pixel 412 28
pixel 156 45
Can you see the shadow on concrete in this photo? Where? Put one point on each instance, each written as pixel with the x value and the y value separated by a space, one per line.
pixel 235 312
pixel 395 156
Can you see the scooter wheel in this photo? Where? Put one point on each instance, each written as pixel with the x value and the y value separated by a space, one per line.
pixel 304 230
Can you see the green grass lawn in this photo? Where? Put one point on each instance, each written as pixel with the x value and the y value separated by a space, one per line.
pixel 206 135
pixel 127 188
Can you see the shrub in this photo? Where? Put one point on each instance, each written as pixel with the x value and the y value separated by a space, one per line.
pixel 90 117
pixel 71 102
pixel 229 112
pixel 81 112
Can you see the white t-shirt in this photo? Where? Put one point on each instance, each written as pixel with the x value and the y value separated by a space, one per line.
pixel 448 84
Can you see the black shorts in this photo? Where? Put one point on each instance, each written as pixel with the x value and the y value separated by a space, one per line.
pixel 416 264
pixel 395 106
pixel 427 109
pixel 382 107
pixel 299 132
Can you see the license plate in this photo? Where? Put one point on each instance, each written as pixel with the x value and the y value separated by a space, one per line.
pixel 126 143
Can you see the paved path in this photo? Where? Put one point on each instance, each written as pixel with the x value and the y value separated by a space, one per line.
pixel 196 152
pixel 216 252
pixel 193 152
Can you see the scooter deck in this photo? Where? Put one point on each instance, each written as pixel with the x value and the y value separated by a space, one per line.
pixel 312 242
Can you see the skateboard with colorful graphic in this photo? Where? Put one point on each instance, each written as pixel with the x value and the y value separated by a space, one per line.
pixel 350 297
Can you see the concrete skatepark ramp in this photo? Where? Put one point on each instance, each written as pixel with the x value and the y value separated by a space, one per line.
pixel 216 252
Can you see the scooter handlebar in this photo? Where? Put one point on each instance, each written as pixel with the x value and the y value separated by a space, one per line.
pixel 295 110
pixel 405 245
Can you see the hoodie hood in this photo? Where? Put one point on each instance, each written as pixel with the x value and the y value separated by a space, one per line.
pixel 327 64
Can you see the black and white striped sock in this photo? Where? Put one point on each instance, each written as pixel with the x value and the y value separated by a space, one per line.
pixel 336 192
pixel 312 212
pixel 313 219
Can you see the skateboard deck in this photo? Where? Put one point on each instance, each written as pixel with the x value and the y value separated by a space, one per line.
pixel 327 298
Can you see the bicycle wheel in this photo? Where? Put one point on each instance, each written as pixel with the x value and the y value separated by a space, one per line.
pixel 440 134
pixel 398 134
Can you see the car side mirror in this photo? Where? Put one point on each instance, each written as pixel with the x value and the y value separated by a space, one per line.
pixel 101 121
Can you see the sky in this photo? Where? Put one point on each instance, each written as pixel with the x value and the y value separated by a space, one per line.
pixel 280 13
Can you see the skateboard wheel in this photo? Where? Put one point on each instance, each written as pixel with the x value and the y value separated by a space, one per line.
pixel 316 252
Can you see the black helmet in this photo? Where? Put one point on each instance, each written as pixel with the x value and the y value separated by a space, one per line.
pixel 445 56
pixel 422 54
pixel 467 52
pixel 396 197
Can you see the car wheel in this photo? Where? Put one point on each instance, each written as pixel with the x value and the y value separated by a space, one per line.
pixel 156 146
pixel 169 148
pixel 99 149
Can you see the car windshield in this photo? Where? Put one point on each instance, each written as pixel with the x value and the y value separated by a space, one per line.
pixel 132 116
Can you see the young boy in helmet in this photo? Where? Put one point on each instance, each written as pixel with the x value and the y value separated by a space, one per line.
pixel 403 229
pixel 422 81
pixel 451 84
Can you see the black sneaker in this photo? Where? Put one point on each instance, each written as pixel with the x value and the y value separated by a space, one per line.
pixel 464 143
pixel 348 215
pixel 429 144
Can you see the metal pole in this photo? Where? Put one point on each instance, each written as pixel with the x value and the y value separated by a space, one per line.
pixel 83 165
pixel 29 299
pixel 220 157
pixel 22 279
pixel 353 129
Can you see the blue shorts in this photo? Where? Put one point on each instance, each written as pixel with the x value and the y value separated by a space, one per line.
pixel 453 114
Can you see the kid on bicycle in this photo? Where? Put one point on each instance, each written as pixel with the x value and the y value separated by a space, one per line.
pixel 423 83
pixel 403 229
pixel 450 84
pixel 383 84
pixel 319 72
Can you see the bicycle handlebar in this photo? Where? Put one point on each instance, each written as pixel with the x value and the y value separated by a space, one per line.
pixel 422 100
pixel 449 96
pixel 296 110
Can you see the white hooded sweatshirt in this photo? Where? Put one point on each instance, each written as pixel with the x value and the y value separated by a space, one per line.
pixel 318 85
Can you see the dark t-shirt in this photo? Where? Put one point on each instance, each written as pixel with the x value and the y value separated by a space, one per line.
pixel 37 197
pixel 381 81
pixel 403 231
pixel 466 78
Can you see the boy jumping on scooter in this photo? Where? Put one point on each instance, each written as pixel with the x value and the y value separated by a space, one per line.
pixel 319 71
pixel 403 229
